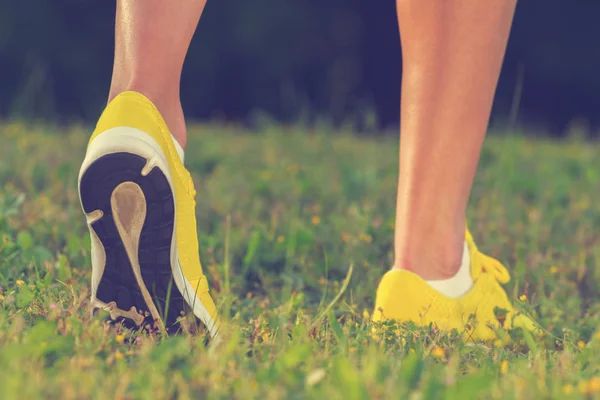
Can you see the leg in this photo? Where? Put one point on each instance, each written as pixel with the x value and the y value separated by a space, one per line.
pixel 135 191
pixel 452 52
pixel 151 40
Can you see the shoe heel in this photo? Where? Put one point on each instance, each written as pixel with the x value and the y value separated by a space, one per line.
pixel 130 211
pixel 126 140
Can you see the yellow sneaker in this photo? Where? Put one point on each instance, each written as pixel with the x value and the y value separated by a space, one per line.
pixel 139 201
pixel 403 296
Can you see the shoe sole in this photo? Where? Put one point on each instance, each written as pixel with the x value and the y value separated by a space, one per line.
pixel 126 194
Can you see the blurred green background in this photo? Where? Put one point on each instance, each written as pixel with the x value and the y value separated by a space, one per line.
pixel 296 60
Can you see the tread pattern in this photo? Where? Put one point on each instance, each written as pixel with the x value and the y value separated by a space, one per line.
pixel 118 281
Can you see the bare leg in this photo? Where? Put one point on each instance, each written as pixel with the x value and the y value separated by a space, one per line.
pixel 452 51
pixel 151 40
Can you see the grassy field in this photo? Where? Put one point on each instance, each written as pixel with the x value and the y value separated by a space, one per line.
pixel 285 217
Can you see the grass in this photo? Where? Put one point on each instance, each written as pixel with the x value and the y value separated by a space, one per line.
pixel 283 215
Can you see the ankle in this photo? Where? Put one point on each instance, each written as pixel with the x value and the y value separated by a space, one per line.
pixel 433 261
pixel 429 269
pixel 168 104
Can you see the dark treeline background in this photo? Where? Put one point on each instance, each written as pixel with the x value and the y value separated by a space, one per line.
pixel 295 59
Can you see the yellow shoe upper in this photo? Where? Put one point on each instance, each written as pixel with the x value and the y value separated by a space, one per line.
pixel 404 296
pixel 132 109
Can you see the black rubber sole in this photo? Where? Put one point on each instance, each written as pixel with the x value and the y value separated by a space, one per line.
pixel 118 283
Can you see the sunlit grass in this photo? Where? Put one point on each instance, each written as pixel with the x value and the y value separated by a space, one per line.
pixel 283 215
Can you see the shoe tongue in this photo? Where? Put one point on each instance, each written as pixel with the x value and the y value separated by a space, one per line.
pixel 471 247
pixel 482 263
pixel 178 148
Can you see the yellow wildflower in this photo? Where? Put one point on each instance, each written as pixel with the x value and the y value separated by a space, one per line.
pixel 365 238
pixel 346 237
pixel 554 270
pixel 567 389
pixel 315 220
pixel 438 352
pixel 20 282
pixel 120 338
pixel 581 344
pixel 522 297
pixel 118 355
pixel 504 367
pixel 594 385
pixel 366 314
pixel 280 239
